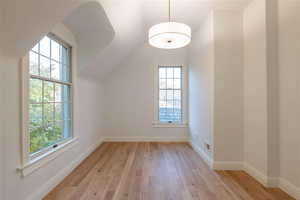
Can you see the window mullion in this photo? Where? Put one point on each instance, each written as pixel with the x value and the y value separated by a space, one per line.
pixel 50 59
pixel 54 107
pixel 50 80
pixel 181 93
pixel 173 100
pixel 43 104
pixel 39 59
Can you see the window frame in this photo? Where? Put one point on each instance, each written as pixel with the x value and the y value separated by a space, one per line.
pixel 31 162
pixel 184 94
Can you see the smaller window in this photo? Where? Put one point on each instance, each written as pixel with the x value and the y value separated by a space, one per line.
pixel 170 96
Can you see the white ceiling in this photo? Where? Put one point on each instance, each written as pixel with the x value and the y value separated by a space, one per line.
pixel 190 12
pixel 25 22
pixel 131 20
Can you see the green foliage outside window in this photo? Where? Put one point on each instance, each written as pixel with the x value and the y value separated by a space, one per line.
pixel 49 109
pixel 41 137
pixel 46 126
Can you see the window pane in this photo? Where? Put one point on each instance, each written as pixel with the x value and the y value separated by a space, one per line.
pixel 45 46
pixel 166 114
pixel 163 83
pixel 163 114
pixel 62 93
pixel 177 72
pixel 65 73
pixel 35 114
pixel 55 70
pixel 48 91
pixel 38 140
pixel 64 57
pixel 59 112
pixel 169 72
pixel 170 105
pixel 169 83
pixel 162 104
pixel 177 83
pixel 162 72
pixel 34 125
pixel 177 104
pixel 55 50
pixel 34 63
pixel 57 133
pixel 177 95
pixel 62 111
pixel 177 111
pixel 49 112
pixel 163 94
pixel 36 48
pixel 44 67
pixel 58 93
pixel 43 137
pixel 66 125
pixel 170 95
pixel 35 91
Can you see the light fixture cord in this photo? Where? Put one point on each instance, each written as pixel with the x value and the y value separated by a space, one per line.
pixel 169 10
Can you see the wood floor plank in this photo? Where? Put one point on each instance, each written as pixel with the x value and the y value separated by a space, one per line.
pixel 156 171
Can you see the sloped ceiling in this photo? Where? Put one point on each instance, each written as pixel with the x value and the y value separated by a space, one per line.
pixel 92 29
pixel 107 30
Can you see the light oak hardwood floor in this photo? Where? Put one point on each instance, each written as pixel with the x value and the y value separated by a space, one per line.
pixel 156 171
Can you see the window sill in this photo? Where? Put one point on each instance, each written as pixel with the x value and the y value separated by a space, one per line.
pixel 40 161
pixel 170 125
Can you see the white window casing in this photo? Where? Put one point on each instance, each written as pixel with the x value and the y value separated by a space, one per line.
pixel 184 94
pixel 33 161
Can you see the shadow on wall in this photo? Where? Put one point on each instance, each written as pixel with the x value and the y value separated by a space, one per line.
pixel 92 30
pixel 26 24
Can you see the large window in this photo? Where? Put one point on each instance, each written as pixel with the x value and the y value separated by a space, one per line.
pixel 49 95
pixel 171 95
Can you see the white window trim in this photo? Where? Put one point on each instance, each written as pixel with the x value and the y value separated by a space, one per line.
pixel 29 165
pixel 158 124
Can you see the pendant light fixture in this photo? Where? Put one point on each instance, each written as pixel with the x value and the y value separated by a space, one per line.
pixel 170 35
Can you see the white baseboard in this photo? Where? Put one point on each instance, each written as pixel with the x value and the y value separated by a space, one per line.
pixel 146 139
pixel 273 182
pixel 269 182
pixel 289 188
pixel 203 155
pixel 54 181
pixel 259 176
pixel 228 165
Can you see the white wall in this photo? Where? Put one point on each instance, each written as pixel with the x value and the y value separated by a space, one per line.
pixel 201 85
pixel 272 108
pixel 87 112
pixel 216 86
pixel 255 86
pixel 129 96
pixel 289 62
pixel 1 107
pixel 228 87
pixel 273 88
pixel 1 129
